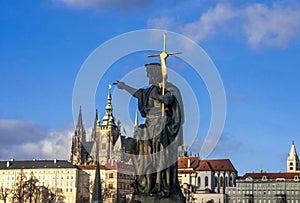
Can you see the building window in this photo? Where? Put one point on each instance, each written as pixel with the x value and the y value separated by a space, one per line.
pixel 199 181
pixel 221 182
pixel 103 146
pixel 206 181
pixel 111 175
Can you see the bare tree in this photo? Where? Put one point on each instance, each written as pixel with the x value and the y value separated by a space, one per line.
pixel 19 191
pixel 4 192
pixel 30 187
pixel 28 191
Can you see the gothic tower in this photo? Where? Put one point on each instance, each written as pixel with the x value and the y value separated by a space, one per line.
pixel 109 132
pixel 293 163
pixel 78 152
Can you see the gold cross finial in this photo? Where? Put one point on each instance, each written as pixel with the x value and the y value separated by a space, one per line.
pixel 163 56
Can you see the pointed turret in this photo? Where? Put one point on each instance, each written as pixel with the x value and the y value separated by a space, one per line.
pixel 75 150
pixel 97 194
pixel 79 128
pixel 96 123
pixel 108 118
pixel 78 151
pixel 293 163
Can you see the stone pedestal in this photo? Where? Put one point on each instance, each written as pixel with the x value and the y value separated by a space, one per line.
pixel 157 199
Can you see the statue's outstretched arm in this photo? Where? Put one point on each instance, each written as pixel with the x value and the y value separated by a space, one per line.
pixel 122 85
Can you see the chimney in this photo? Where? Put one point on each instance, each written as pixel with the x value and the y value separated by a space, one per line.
pixel 189 163
pixel 55 161
pixel 9 163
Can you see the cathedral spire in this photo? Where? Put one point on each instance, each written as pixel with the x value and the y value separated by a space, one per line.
pixel 108 118
pixel 94 130
pixel 79 121
pixel 97 195
pixel 293 163
pixel 80 128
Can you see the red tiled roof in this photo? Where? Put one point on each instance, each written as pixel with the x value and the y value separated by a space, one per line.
pixel 222 165
pixel 90 167
pixel 204 165
pixel 186 171
pixel 183 162
pixel 119 165
pixel 272 176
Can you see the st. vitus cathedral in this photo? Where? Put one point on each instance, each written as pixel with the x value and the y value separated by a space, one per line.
pixel 105 135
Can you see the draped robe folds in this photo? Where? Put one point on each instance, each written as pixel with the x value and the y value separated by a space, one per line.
pixel 156 143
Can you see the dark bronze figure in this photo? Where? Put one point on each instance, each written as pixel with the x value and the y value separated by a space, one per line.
pixel 154 148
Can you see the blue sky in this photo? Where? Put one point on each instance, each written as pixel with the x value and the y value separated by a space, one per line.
pixel 255 47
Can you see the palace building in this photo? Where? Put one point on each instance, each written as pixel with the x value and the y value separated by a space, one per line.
pixel 38 180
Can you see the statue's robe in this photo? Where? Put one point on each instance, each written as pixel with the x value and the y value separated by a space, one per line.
pixel 156 142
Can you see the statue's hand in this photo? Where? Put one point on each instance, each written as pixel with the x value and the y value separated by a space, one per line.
pixel 155 93
pixel 121 85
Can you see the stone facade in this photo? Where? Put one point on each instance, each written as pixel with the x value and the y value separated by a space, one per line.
pixel 203 178
pixel 53 176
pixel 266 187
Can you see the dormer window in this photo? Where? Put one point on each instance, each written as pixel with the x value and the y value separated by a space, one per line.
pixel 296 178
pixel 264 178
pixel 249 178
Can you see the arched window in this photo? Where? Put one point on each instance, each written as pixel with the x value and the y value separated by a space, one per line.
pixel 199 182
pixel 216 182
pixel 221 182
pixel 226 181
pixel 206 181
pixel 230 181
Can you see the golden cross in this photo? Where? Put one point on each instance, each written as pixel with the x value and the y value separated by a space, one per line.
pixel 163 56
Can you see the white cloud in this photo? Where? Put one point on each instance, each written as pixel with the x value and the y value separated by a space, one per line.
pixel 271 27
pixel 26 140
pixel 262 26
pixel 210 23
pixel 161 23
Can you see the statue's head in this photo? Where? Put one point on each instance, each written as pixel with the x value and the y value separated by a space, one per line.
pixel 154 73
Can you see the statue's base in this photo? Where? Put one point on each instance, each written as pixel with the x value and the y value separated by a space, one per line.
pixel 157 199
